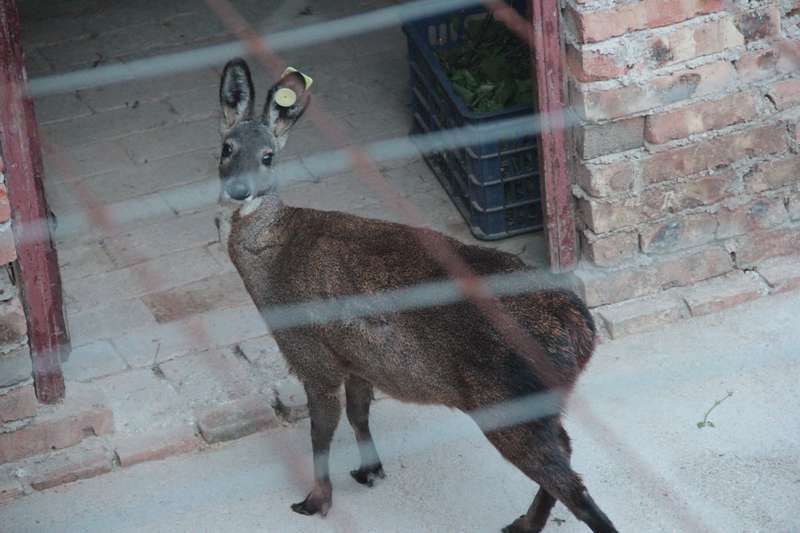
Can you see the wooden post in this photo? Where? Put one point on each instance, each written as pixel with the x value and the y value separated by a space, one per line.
pixel 39 277
pixel 559 222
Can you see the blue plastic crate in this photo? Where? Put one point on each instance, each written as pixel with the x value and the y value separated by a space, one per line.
pixel 495 185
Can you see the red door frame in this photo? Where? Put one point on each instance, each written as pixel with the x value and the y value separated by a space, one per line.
pixel 37 263
pixel 559 215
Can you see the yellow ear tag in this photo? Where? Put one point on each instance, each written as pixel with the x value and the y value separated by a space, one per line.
pixel 285 97
pixel 307 79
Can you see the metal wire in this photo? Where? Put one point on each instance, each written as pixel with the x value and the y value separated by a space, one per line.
pixel 328 163
pixel 314 167
pixel 218 54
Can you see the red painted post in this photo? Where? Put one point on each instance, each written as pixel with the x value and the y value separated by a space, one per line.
pixel 40 280
pixel 559 225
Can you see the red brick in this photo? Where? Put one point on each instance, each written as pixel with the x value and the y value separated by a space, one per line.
pixel 215 292
pixel 593 26
pixel 692 83
pixel 236 419
pixel 700 117
pixel 683 44
pixel 759 23
pixel 604 216
pixel 612 103
pixel 60 426
pixel 754 247
pixel 12 322
pixel 5 207
pixel 8 248
pixel 709 154
pixel 139 448
pixel 670 198
pixel 594 140
pixel 611 249
pixel 712 37
pixel 600 287
pixel 86 460
pixel 602 335
pixel 593 65
pixel 783 57
pixel 678 233
pixel 761 214
pixel 691 268
pixel 18 403
pixel 636 316
pixel 209 377
pixel 773 174
pixel 782 273
pixel 785 94
pixel 720 293
pixel 793 206
pixel 10 487
pixel 15 366
pixel 605 180
pixel 264 353
pixel 705 190
pixel 662 90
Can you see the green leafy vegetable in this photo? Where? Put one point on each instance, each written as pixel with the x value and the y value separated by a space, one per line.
pixel 490 68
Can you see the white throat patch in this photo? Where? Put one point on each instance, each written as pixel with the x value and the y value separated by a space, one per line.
pixel 250 206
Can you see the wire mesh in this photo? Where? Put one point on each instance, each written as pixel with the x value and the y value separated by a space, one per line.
pixel 483 292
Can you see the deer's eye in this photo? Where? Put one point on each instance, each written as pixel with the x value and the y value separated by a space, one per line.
pixel 266 159
pixel 227 150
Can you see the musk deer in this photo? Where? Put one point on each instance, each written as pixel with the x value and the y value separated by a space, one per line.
pixel 448 354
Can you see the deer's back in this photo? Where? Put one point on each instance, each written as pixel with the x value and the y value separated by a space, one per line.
pixel 368 255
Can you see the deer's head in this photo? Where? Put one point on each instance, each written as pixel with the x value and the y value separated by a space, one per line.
pixel 251 142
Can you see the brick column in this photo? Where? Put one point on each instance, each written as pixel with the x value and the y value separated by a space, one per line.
pixel 686 149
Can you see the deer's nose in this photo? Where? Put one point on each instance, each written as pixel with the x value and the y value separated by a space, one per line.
pixel 237 190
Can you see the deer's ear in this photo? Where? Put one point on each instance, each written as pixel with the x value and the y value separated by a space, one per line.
pixel 286 102
pixel 236 93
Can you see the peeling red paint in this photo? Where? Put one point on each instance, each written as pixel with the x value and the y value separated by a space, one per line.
pixel 558 209
pixel 37 262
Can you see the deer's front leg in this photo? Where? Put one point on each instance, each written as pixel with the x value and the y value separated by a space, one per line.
pixel 324 409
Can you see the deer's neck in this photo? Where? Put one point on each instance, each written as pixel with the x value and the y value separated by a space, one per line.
pixel 257 228
pixel 263 211
pixel 258 231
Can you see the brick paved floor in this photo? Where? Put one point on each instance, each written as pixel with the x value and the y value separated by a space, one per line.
pixel 159 320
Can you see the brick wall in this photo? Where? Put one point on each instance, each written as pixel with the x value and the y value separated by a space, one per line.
pixel 686 156
pixel 15 361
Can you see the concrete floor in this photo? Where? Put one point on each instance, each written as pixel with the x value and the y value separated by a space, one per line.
pixel 639 449
pixel 154 307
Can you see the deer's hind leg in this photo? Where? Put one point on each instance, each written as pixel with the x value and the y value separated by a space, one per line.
pixel 359 398
pixel 538 513
pixel 541 450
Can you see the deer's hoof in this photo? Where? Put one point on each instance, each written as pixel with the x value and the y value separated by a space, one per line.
pixel 367 476
pixel 518 526
pixel 312 505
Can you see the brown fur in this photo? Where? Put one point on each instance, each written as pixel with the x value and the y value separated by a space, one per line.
pixel 318 255
pixel 448 354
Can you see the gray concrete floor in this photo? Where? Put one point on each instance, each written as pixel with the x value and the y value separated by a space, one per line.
pixel 634 426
